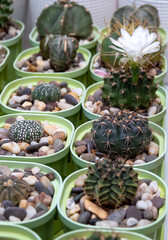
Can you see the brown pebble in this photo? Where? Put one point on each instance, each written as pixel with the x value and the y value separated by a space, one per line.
pixel 87 135
pixel 93 208
pixel 58 135
pixel 81 149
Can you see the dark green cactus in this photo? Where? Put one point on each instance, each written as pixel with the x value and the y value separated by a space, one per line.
pixel 122 15
pixel 5 12
pixel 46 92
pixel 123 133
pixel 44 46
pixel 111 184
pixel 26 131
pixel 65 18
pixel 120 91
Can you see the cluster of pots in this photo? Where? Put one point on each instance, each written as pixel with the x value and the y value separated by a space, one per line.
pixel 64 162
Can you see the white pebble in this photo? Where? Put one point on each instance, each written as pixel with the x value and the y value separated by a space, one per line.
pixel 155 212
pixel 65 106
pixel 96 65
pixel 157 194
pixel 20 118
pixel 18 174
pixel 139 161
pixel 35 170
pixel 11 147
pixel 131 222
pixel 44 149
pixel 45 123
pixel 143 222
pixel 39 58
pixel 33 143
pixel 158 100
pixel 82 64
pixel 31 211
pixel 152 110
pixel 44 140
pixel 146 196
pixel 78 91
pixel 63 91
pixel 104 112
pixel 70 203
pixel 153 148
pixel 141 205
pixel 31 180
pixel 113 109
pixel 39 105
pixel 2 210
pixel 92 108
pixel 14 219
pixel 88 103
pixel 153 186
pixel 107 223
pixel 149 204
pixel 74 210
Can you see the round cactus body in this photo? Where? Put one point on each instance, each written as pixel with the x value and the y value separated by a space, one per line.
pixel 5 12
pixel 26 131
pixel 46 92
pixel 123 133
pixel 13 189
pixel 111 184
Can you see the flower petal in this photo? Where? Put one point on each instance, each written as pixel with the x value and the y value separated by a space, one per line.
pixel 154 47
pixel 115 42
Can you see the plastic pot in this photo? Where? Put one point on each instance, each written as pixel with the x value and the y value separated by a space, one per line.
pixel 159 79
pixel 58 160
pixel 72 114
pixel 148 230
pixel 42 225
pixel 79 74
pixel 88 232
pixel 16 232
pixel 91 46
pixel 154 166
pixel 15 46
pixel 3 68
pixel 157 118
pixel 161 31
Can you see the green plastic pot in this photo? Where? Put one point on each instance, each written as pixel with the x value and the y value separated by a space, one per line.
pixel 88 232
pixel 43 225
pixel 58 160
pixel 148 230
pixel 162 32
pixel 3 68
pixel 159 79
pixel 157 118
pixel 72 114
pixel 15 46
pixel 79 74
pixel 16 232
pixel 91 46
pixel 154 166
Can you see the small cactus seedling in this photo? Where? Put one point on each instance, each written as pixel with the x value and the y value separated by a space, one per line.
pixel 111 184
pixel 5 12
pixel 123 133
pixel 65 18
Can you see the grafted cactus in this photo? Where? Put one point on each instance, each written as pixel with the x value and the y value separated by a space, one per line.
pixel 5 12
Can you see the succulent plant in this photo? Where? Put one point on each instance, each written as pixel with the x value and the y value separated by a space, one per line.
pixel 60 49
pixel 26 131
pixel 65 18
pixel 99 236
pixel 119 90
pixel 14 189
pixel 111 184
pixel 46 92
pixel 5 12
pixel 123 133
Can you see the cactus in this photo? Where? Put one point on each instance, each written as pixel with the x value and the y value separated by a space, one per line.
pixel 99 236
pixel 120 91
pixel 123 133
pixel 26 131
pixel 46 92
pixel 14 189
pixel 45 46
pixel 65 18
pixel 5 12
pixel 111 184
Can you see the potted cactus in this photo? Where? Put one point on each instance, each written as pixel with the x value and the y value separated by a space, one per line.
pixel 144 144
pixel 36 138
pixel 59 56
pixel 68 106
pixel 4 55
pixel 10 35
pixel 66 18
pixel 94 189
pixel 101 235
pixel 19 181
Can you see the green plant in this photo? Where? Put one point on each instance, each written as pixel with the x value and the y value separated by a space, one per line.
pixel 26 131
pixel 123 133
pixel 60 49
pixel 111 184
pixel 99 236
pixel 5 12
pixel 14 189
pixel 65 18
pixel 119 90
pixel 46 92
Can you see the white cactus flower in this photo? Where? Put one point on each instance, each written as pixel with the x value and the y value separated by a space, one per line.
pixel 135 46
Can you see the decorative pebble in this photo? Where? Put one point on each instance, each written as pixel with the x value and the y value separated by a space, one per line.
pixel 58 145
pixel 153 148
pixel 88 156
pixel 150 158
pixel 2 210
pixel 84 217
pixel 65 106
pixel 148 214
pixel 71 100
pixel 40 213
pixel 155 212
pixel 133 212
pixel 158 202
pixel 143 222
pixel 139 161
pixel 31 180
pixel 75 217
pixel 107 223
pixel 46 199
pixel 31 211
pixel 80 181
pixel 74 210
pixel 59 135
pixel 131 222
pixel 80 149
pixel 41 207
pixel 11 147
pixel 35 170
pixel 39 187
pixel 118 215
pixel 153 186
pixel 16 212
pixel 18 174
pixel 152 110
pixel 5 170
pixel 101 73
pixel 93 208
pixel 23 203
pixel 70 204
pixel 78 91
pixel 14 219
pixel 45 181
pixel 146 196
pixel 141 205
pixel 35 147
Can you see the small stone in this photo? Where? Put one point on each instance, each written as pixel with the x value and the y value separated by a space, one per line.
pixel 155 212
pixel 16 212
pixel 78 197
pixel 22 153
pixel 80 181
pixel 82 64
pixel 93 208
pixel 58 145
pixel 65 106
pixel 96 65
pixel 49 129
pixel 19 118
pixel 14 219
pixel 23 146
pixel 63 84
pixel 26 104
pixel 44 149
pixel 84 217
pixel 131 222
pixel 149 203
pixel 41 207
pixel 31 180
pixel 80 149
pixel 158 202
pixel 77 190
pixel 46 199
pixel 51 151
pixel 104 112
pixel 35 147
pixel 7 126
pixel 143 222
pixel 35 170
pixel 143 188
pixel 23 203
pixel 146 196
pixel 18 174
pixel 75 217
pixel 2 218
pixel 150 158
pixel 12 31
pixel 31 211
pixel 153 186
pixel 118 215
pixel 141 205
pixel 40 213
pixel 11 147
pixel 107 223
pixel 8 203
pixel 10 120
pixel 4 141
pixel 153 148
pixel 70 204
pixel 74 210
pixel 2 210
pixel 93 221
pixel 88 156
pixel 98 95
pixel 159 108
pixel 4 170
pixel 70 99
pixel 45 181
pixel 100 72
pixel 44 140
pixel 78 91
pixel 139 161
pixel 133 212
pixel 80 143
pixel 114 109
pixel 152 110
pixel 148 214
pixel 87 136
pixel 59 135
pixel 39 105
pixel 39 187
pixel 50 176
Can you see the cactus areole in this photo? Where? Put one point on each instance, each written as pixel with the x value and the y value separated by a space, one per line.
pixel 123 133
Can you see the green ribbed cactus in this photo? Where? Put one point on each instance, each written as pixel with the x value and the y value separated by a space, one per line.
pixel 26 131
pixel 65 18
pixel 111 184
pixel 5 12
pixel 46 92
pixel 123 133
pixel 120 91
